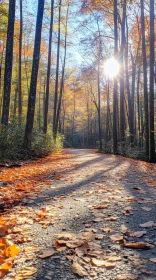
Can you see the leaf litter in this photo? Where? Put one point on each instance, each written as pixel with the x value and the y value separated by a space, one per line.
pixel 83 250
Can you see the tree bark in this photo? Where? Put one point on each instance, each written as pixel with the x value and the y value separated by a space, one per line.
pixel 151 96
pixel 122 83
pixel 63 72
pixel 20 64
pixel 46 104
pixel 57 72
pixel 145 78
pixel 34 75
pixel 8 62
pixel 115 91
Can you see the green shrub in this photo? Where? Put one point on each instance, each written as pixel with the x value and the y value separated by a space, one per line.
pixel 43 144
pixel 11 142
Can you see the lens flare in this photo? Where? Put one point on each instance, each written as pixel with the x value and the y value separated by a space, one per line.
pixel 111 68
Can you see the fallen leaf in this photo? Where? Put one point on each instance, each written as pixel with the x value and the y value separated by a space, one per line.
pixel 74 244
pixel 153 260
pixel 127 277
pixel 97 262
pixel 138 233
pixel 104 263
pixel 66 235
pixel 114 259
pixel 31 250
pixel 147 225
pixel 100 206
pixel 47 254
pixel 107 230
pixel 59 243
pixel 78 269
pixel 138 245
pixel 25 273
pixel 116 237
pixel 11 251
pixel 112 219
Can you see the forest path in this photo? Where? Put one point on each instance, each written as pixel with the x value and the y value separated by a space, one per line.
pixel 99 199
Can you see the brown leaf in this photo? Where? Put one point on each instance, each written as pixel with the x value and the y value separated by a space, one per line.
pixel 138 245
pixel 107 230
pixel 97 262
pixel 99 236
pixel 78 269
pixel 112 219
pixel 147 225
pixel 82 250
pixel 100 207
pixel 153 260
pixel 127 277
pixel 47 253
pixel 66 235
pixel 59 243
pixel 31 249
pixel 114 259
pixel 25 272
pixel 104 263
pixel 74 244
pixel 3 231
pixel 138 233
pixel 116 237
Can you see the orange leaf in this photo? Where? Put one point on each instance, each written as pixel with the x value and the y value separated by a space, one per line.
pixel 11 251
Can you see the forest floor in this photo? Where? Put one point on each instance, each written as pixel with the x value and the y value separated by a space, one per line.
pixel 80 213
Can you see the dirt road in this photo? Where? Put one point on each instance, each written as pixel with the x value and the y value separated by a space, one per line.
pixel 104 203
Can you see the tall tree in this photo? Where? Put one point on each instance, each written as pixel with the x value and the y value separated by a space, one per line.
pixel 122 84
pixel 145 77
pixel 46 105
pixel 63 70
pixel 98 86
pixel 57 72
pixel 34 75
pixel 151 95
pixel 20 63
pixel 8 63
pixel 115 91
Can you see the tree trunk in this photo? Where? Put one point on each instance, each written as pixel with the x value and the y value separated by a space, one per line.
pixel 20 64
pixel 151 96
pixel 133 91
pixel 63 73
pixel 99 90
pixel 15 103
pixel 115 91
pixel 122 83
pixel 138 107
pixel 145 78
pixel 57 72
pixel 46 104
pixel 8 63
pixel 34 75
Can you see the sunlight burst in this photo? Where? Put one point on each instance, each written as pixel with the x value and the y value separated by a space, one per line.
pixel 111 68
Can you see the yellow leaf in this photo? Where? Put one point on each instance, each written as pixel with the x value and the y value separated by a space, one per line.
pixel 6 266
pixel 11 251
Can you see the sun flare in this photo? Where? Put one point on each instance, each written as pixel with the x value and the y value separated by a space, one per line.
pixel 111 68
